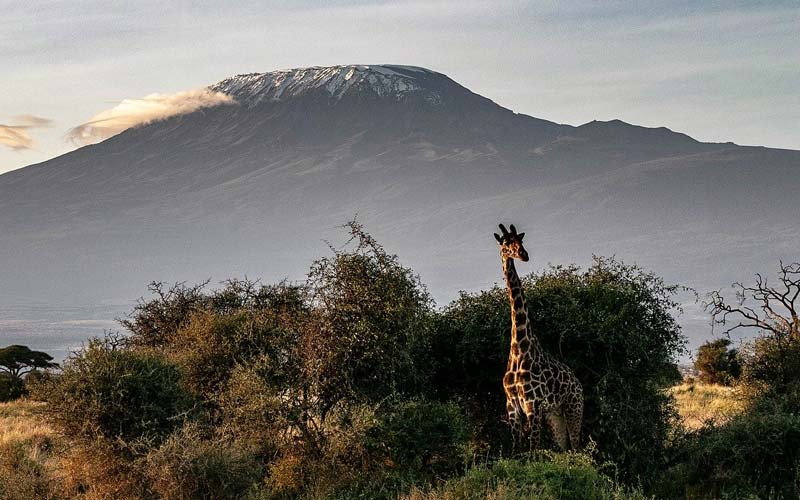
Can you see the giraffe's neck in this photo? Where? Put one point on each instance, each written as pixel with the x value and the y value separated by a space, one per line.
pixel 521 333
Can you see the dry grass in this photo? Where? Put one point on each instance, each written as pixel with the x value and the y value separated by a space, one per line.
pixel 699 404
pixel 27 451
pixel 20 422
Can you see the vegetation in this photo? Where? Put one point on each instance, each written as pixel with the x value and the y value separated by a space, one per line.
pixel 548 476
pixel 717 363
pixel 17 361
pixel 353 385
pixel 28 445
pixel 702 404
pixel 121 396
pixel 611 324
pixel 753 454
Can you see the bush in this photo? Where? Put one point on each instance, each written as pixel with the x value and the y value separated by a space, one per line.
pixel 753 455
pixel 375 451
pixel 771 372
pixel 717 363
pixel 253 413
pixel 424 436
pixel 190 465
pixel 94 470
pixel 117 395
pixel 367 312
pixel 11 388
pixel 211 345
pixel 552 476
pixel 612 324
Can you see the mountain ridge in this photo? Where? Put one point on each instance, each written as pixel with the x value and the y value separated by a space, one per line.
pixel 255 189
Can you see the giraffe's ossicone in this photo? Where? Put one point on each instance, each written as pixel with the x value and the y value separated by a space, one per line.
pixel 537 386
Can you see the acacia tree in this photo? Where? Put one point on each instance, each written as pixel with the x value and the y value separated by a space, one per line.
pixel 18 360
pixel 717 362
pixel 771 363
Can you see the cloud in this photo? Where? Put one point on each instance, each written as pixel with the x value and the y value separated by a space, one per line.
pixel 133 112
pixel 16 136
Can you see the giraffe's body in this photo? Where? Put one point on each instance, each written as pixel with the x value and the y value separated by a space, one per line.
pixel 537 386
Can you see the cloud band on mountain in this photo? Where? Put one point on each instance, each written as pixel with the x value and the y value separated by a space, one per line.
pixel 133 112
pixel 17 136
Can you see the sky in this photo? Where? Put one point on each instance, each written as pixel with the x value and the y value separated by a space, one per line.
pixel 718 71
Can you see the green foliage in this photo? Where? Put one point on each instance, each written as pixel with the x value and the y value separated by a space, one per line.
pixel 612 324
pixel 11 388
pixel 367 311
pixel 771 362
pixel 17 360
pixel 424 436
pixel 190 465
pixel 352 385
pixel 771 372
pixel 211 344
pixel 153 322
pixel 116 394
pixel 754 455
pixel 717 363
pixel 253 412
pixel 550 476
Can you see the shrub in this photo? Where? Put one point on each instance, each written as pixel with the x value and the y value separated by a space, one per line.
pixel 116 394
pixel 253 413
pixel 771 362
pixel 716 363
pixel 551 476
pixel 153 322
pixel 771 372
pixel 11 388
pixel 94 470
pixel 423 436
pixel 367 312
pixel 753 455
pixel 190 465
pixel 612 324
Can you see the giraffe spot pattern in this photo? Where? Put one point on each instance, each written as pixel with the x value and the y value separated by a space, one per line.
pixel 536 383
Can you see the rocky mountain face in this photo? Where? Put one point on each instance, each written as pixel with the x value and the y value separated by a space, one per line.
pixel 256 188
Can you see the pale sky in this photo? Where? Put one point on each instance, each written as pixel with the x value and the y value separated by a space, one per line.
pixel 718 71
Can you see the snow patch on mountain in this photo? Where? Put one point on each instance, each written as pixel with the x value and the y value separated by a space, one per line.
pixel 390 81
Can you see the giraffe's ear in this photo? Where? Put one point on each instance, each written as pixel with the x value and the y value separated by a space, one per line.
pixel 521 235
pixel 498 237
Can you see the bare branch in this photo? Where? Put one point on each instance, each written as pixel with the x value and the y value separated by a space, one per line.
pixel 771 304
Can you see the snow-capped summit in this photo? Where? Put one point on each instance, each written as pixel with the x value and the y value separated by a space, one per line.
pixel 385 81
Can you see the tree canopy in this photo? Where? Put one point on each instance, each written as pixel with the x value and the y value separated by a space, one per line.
pixel 18 360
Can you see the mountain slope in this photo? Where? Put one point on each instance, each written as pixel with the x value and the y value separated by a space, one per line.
pixel 429 166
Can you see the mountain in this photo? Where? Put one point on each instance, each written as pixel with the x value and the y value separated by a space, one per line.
pixel 257 188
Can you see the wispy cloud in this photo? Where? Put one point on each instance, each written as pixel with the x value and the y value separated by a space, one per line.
pixel 133 112
pixel 17 136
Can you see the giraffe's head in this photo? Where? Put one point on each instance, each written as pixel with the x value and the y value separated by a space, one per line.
pixel 511 244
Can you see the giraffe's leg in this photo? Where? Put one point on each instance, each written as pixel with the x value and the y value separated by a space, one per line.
pixel 558 426
pixel 513 410
pixel 573 412
pixel 515 421
pixel 534 424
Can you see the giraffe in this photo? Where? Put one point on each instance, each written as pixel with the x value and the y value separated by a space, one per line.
pixel 537 386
